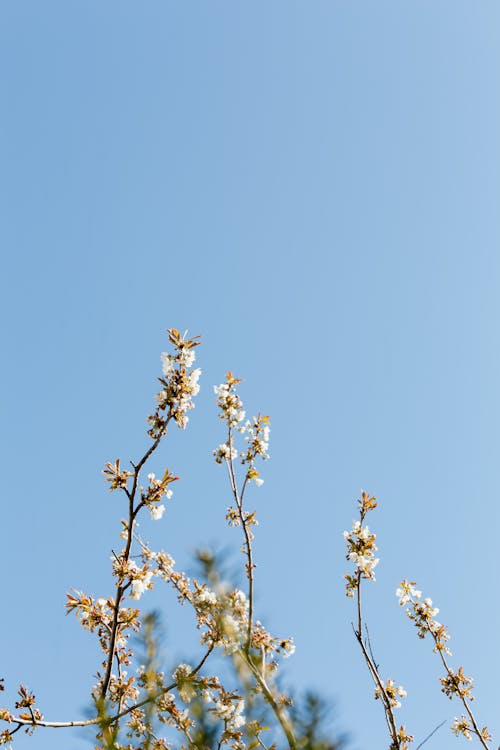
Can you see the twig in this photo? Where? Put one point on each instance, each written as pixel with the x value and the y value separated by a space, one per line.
pixel 430 735
pixel 370 662
pixel 112 719
pixel 238 499
pixel 370 646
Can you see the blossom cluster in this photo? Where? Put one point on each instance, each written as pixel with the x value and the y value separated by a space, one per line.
pixel 361 547
pixel 221 614
pixel 464 727
pixel 256 430
pixel 455 683
pixel 422 612
pixel 257 436
pixel 229 402
pixel 179 384
pixel 403 739
pixel 392 692
pixel 156 490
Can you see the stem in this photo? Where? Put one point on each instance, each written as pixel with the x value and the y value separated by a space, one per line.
pixel 358 602
pixel 372 667
pixel 238 499
pixel 385 698
pixel 430 735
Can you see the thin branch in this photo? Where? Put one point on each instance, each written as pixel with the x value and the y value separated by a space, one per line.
pixel 378 681
pixel 430 735
pixel 370 646
pixel 372 667
pixel 460 694
pixel 238 499
pixel 112 719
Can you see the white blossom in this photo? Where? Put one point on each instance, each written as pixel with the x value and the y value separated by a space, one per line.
pixel 167 364
pixel 157 512
pixel 232 713
pixel 225 452
pixel 187 356
pixel 139 585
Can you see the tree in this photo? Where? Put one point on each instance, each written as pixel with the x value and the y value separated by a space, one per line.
pixel 241 703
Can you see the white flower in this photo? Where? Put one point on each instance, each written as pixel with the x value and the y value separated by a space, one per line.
pixel 157 512
pixel 232 633
pixel 235 415
pixel 195 376
pixel 167 364
pixel 392 692
pixel 430 611
pixel 160 397
pixel 225 452
pixel 183 678
pixel 240 596
pixel 139 585
pixel 231 627
pixel 406 591
pixel 205 598
pixel 138 589
pixel 231 713
pixel 181 672
pixel 238 718
pixel 194 386
pixel 187 357
pixel 224 710
pixel 365 564
pixel 258 481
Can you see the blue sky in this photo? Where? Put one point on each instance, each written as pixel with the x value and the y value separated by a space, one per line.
pixel 313 187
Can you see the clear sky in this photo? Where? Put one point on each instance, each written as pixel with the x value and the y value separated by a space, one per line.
pixel 314 187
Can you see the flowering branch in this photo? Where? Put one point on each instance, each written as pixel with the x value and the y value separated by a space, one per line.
pixel 112 719
pixel 360 550
pixel 422 613
pixel 125 558
pixel 256 432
